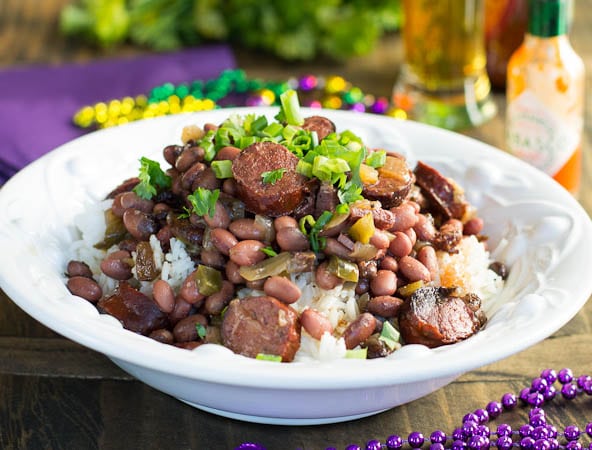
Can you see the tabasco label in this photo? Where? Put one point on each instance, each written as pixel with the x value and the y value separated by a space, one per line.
pixel 539 136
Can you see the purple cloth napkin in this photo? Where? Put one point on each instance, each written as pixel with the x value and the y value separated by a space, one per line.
pixel 37 103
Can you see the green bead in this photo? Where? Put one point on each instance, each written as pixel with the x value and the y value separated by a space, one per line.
pixel 182 91
pixel 167 89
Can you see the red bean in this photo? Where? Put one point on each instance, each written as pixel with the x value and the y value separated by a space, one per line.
pixel 401 245
pixel 228 152
pixel 117 265
pixel 229 187
pixel 284 222
pixel 380 239
pixel 164 296
pixel 84 287
pixel 424 228
pixel 256 285
pixel 78 269
pixel 130 199
pixel 325 279
pixel 413 270
pixel 216 302
pixel 384 283
pixel 162 335
pixel 171 153
pixel 189 291
pixel 405 217
pixel 315 323
pixel 291 239
pixel 233 273
pixel 389 263
pixel 410 232
pixel 247 229
pixel 473 226
pixel 359 330
pixel 186 329
pixel 221 218
pixel 212 258
pixel 427 256
pixel 180 311
pixel 223 240
pixel 247 253
pixel 384 306
pixel 190 175
pixel 206 179
pixel 188 157
pixel 139 224
pixel 362 286
pixel 282 288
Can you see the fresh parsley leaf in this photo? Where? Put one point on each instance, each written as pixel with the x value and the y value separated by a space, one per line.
pixel 203 201
pixel 152 178
pixel 273 176
pixel 201 330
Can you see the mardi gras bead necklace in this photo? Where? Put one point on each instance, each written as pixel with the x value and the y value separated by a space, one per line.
pixel 475 434
pixel 231 88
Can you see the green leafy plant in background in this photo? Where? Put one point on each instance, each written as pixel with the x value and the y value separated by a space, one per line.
pixel 289 29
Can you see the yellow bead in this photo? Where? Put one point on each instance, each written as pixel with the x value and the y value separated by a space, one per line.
pixel 208 104
pixel 268 96
pixel 141 100
pixel 101 116
pixel 332 102
pixel 100 108
pixel 148 114
pixel 397 113
pixel 174 99
pixel 335 84
pixel 163 107
pixel 175 108
pixel 122 121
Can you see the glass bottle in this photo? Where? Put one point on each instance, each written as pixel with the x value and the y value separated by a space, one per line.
pixel 545 95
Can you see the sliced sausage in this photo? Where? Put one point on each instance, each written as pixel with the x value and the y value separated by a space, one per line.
pixel 255 325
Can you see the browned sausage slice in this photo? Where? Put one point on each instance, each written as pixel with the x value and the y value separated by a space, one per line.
pixel 394 183
pixel 321 125
pixel 255 325
pixel 266 198
pixel 134 310
pixel 433 317
pixel 442 192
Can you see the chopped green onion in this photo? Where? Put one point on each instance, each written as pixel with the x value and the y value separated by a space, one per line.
pixel 273 129
pixel 209 149
pixel 357 353
pixel 325 168
pixel 269 251
pixel 291 107
pixel 389 335
pixel 304 168
pixel 201 330
pixel 376 159
pixel 273 176
pixel 266 357
pixel 245 141
pixel 222 169
pixel 203 201
pixel 259 125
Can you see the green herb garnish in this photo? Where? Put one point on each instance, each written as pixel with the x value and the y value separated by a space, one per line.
pixel 266 357
pixel 201 330
pixel 203 201
pixel 273 176
pixel 152 178
pixel 311 228
pixel 389 335
pixel 269 251
pixel 222 169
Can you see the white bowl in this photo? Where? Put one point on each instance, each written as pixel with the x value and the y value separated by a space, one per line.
pixel 535 226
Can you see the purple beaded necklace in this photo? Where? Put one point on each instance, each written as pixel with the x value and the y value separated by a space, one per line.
pixel 474 434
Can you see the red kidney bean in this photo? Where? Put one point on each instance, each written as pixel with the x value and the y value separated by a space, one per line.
pixel 247 229
pixel 401 245
pixel 427 256
pixel 473 226
pixel 216 302
pixel 413 270
pixel 291 239
pixel 84 287
pixel 359 330
pixel 186 329
pixel 206 179
pixel 161 209
pixel 325 279
pixel 228 152
pixel 315 323
pixel 384 283
pixel 415 206
pixel 389 263
pixel 380 240
pixel 362 286
pixel 188 157
pixel 164 236
pixel 229 187
pixel 162 335
pixel 424 228
pixel 405 217
pixel 384 306
pixel 171 153
pixel 283 289
pixel 189 291
pixel 180 311
pixel 78 269
pixel 212 258
pixel 284 222
pixel 139 224
pixel 190 175
pixel 221 218
pixel 334 247
pixel 256 284
pixel 117 265
pixel 233 273
pixel 247 253
pixel 164 296
pixel 129 245
pixel 210 127
pixel 410 232
pixel 125 200
pixel 223 240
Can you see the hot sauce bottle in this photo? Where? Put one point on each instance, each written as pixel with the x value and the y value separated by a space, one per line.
pixel 545 95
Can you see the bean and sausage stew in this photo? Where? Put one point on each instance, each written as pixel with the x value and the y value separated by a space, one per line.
pixel 259 205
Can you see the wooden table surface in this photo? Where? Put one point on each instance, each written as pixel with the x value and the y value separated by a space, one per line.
pixel 55 394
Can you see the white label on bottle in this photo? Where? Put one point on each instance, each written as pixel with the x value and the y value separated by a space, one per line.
pixel 538 136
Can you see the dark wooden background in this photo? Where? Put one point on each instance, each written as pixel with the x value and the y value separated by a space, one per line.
pixel 55 394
